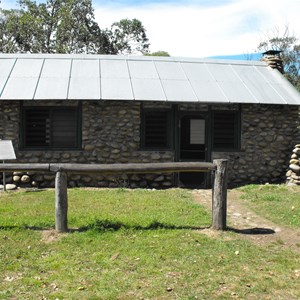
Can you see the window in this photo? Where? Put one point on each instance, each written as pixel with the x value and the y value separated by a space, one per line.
pixel 156 127
pixel 192 137
pixel 50 127
pixel 226 130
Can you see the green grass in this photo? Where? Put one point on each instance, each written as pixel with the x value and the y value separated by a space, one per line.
pixel 279 203
pixel 111 208
pixel 132 245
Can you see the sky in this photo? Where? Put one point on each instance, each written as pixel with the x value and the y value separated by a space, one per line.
pixel 202 28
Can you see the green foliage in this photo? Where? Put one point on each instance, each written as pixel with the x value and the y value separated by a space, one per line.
pixel 66 26
pixel 158 53
pixel 278 203
pixel 129 37
pixel 289 45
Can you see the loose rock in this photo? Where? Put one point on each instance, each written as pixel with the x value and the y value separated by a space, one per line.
pixel 297 151
pixel 9 187
pixel 293 174
pixel 16 178
pixel 25 179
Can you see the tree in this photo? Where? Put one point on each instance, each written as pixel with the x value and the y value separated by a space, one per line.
pixel 77 31
pixel 158 53
pixel 8 30
pixel 129 37
pixel 66 26
pixel 16 29
pixel 290 47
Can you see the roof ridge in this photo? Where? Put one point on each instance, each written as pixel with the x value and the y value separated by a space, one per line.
pixel 129 57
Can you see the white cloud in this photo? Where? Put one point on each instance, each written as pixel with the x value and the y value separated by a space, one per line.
pixel 199 31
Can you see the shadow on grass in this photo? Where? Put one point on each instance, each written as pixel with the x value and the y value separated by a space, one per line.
pixel 253 231
pixel 108 225
pixel 102 226
pixel 26 227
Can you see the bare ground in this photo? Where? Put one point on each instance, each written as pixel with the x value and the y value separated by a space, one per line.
pixel 250 226
pixel 51 236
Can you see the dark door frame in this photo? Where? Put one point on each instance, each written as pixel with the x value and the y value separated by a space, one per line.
pixel 207 117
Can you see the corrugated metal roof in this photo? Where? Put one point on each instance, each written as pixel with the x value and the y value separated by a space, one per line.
pixel 109 77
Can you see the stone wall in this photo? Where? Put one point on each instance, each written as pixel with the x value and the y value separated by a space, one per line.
pixel 9 121
pixel 268 133
pixel 111 134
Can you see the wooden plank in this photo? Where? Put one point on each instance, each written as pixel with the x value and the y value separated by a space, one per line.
pixel 111 168
pixel 134 168
pixel 61 202
pixel 219 204
pixel 7 167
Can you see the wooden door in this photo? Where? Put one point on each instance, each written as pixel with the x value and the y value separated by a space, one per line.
pixel 193 146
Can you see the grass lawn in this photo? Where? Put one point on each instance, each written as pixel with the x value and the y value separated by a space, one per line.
pixel 279 203
pixel 132 245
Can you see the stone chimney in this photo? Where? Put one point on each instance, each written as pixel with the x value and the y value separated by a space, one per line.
pixel 273 59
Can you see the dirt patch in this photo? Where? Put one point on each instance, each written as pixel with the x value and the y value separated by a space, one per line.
pixel 51 236
pixel 242 220
pixel 216 234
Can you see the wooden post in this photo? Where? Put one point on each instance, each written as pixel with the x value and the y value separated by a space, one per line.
pixel 61 202
pixel 4 180
pixel 219 204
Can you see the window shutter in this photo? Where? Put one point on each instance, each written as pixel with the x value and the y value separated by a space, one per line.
pixel 37 128
pixel 225 130
pixel 64 128
pixel 51 127
pixel 156 129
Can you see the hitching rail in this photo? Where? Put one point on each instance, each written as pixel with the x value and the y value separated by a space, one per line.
pixel 218 166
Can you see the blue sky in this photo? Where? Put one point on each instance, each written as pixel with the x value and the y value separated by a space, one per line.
pixel 202 28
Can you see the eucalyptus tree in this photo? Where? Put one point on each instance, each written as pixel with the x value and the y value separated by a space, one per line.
pixel 129 37
pixel 66 26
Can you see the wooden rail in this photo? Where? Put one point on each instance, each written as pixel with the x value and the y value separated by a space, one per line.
pixel 219 167
pixel 111 168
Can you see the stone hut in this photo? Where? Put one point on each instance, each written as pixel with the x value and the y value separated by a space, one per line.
pixel 125 109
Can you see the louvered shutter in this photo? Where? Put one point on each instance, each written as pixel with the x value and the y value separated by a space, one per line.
pixel 225 130
pixel 156 129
